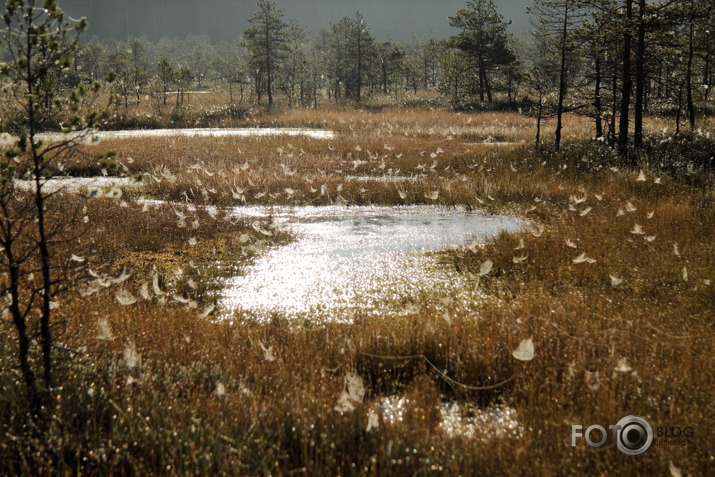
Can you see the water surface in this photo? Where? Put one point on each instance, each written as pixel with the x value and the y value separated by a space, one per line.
pixel 461 419
pixel 197 132
pixel 78 184
pixel 347 258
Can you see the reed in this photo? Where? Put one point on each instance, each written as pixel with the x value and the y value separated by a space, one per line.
pixel 629 333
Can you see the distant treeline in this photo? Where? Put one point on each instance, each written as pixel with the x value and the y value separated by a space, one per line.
pixel 614 60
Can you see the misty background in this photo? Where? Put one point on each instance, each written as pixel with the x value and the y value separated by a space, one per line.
pixel 226 19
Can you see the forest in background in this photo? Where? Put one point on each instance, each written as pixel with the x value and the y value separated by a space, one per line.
pixel 614 61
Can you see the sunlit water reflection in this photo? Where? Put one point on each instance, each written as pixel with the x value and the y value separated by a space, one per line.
pixel 461 419
pixel 77 184
pixel 195 132
pixel 348 258
pixel 383 178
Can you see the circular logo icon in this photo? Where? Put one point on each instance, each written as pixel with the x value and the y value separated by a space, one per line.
pixel 634 435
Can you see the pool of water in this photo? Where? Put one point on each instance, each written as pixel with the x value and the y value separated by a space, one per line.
pixel 384 178
pixel 463 420
pixel 79 184
pixel 198 132
pixel 349 258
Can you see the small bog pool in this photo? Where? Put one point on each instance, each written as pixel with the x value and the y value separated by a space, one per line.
pixel 196 132
pixel 345 258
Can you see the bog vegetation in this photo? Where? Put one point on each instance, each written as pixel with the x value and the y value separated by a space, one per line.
pixel 117 358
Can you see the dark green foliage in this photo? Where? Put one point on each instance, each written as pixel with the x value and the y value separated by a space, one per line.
pixel 267 44
pixel 484 44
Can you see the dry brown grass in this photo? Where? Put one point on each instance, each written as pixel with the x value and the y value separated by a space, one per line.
pixel 278 416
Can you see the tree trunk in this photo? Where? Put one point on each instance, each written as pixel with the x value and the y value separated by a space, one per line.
pixel 481 79
pixel 539 116
pixel 434 74
pixel 597 96
pixel 28 375
pixel 487 87
pixel 43 245
pixel 359 62
pixel 614 107
pixel 689 73
pixel 269 73
pixel 627 83
pixel 562 79
pixel 456 89
pixel 640 78
pixel 425 69
pixel 706 76
pixel 678 113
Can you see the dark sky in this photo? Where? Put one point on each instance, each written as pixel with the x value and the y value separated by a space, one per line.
pixel 226 19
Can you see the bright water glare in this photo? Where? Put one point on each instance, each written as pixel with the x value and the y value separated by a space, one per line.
pixel 77 184
pixel 348 258
pixel 199 132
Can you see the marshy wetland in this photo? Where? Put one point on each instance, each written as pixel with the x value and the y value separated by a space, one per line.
pixel 247 306
pixel 347 259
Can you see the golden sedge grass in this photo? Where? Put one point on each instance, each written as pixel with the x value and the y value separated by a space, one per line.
pixel 245 397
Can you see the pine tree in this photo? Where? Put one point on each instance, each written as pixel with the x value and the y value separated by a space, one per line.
pixel 484 40
pixel 352 49
pixel 560 19
pixel 166 75
pixel 267 43
pixel 390 59
pixel 40 44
